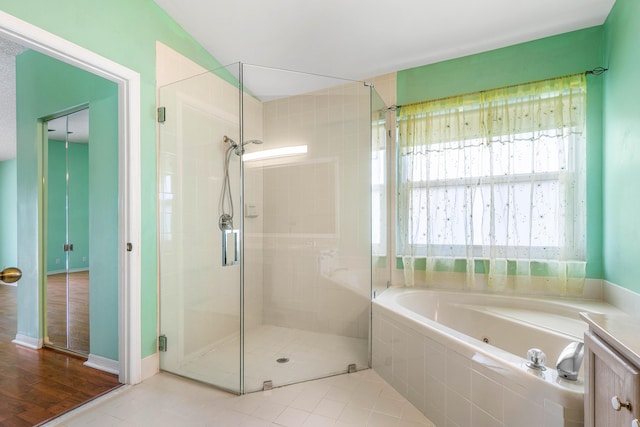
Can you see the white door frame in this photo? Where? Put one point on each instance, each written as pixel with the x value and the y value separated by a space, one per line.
pixel 129 265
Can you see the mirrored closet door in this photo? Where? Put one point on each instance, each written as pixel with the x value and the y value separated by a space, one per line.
pixel 66 189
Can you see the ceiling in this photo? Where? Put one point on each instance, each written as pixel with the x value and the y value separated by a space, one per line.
pixel 353 39
pixel 359 39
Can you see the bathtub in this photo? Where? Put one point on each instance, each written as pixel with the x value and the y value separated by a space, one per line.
pixel 459 357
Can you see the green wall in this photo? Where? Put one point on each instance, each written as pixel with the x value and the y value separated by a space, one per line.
pixel 44 87
pixel 78 206
pixel 560 55
pixel 622 145
pixel 8 214
pixel 126 32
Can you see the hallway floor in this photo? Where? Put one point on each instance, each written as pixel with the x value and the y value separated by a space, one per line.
pixel 37 385
pixel 358 399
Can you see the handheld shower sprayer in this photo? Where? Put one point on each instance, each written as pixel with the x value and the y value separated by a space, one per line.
pixel 225 221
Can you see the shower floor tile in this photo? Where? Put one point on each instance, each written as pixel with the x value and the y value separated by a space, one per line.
pixel 310 355
pixel 169 400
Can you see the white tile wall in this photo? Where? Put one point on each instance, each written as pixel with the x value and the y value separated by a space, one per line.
pixel 316 219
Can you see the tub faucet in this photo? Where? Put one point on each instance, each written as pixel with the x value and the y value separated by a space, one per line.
pixel 570 359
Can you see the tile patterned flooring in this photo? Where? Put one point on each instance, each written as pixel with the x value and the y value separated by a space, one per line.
pixel 357 399
pixel 310 355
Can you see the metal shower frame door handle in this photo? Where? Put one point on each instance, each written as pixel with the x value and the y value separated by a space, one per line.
pixel 236 250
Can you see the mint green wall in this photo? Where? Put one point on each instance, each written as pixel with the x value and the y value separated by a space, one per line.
pixel 8 214
pixel 45 86
pixel 124 31
pixel 560 55
pixel 622 146
pixel 78 206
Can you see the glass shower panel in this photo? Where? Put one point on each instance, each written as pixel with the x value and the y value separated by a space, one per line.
pixel 200 298
pixel 307 226
pixel 380 260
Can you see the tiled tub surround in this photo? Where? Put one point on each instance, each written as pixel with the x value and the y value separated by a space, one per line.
pixel 428 345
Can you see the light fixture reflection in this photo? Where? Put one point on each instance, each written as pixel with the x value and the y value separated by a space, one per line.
pixel 275 152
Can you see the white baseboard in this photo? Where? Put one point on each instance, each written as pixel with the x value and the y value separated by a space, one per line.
pixel 103 364
pixel 150 366
pixel 29 342
pixel 626 300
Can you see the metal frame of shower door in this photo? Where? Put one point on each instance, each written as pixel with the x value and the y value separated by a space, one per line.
pixel 241 133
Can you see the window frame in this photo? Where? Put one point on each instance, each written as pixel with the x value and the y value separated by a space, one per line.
pixel 573 177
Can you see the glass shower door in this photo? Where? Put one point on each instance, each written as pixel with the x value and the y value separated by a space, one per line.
pixel 200 297
pixel 307 226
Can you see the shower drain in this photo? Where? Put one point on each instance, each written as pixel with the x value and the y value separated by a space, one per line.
pixel 282 360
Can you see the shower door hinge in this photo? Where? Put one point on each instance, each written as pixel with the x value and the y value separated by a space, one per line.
pixel 162 114
pixel 162 343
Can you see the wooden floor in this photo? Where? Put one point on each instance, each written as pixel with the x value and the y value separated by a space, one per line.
pixel 37 385
pixel 77 338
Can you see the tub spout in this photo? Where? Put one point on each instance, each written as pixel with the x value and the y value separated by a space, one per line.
pixel 570 359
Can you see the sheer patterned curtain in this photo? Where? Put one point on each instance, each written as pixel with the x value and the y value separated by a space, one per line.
pixel 491 187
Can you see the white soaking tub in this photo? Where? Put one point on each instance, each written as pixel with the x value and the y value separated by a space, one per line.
pixel 459 357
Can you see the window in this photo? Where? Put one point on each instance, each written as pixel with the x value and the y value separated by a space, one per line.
pixel 378 188
pixel 496 174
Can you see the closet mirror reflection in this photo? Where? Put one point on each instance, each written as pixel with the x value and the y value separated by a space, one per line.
pixel 66 194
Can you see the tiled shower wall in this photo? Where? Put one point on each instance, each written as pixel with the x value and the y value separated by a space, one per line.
pixel 307 248
pixel 316 212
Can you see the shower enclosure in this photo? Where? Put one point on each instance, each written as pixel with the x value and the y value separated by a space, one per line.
pixel 265 226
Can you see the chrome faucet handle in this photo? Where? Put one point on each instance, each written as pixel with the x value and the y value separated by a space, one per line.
pixel 570 359
pixel 537 359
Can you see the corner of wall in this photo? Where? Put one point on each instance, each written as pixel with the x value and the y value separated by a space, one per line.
pixel 622 298
pixel 150 366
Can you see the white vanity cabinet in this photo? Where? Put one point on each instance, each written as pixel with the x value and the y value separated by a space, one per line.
pixel 612 371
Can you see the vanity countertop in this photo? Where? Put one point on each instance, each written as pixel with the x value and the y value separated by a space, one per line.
pixel 620 331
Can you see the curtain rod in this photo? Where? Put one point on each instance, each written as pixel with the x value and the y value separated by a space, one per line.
pixel 596 72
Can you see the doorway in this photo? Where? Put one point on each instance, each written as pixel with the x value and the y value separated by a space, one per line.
pixel 129 364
